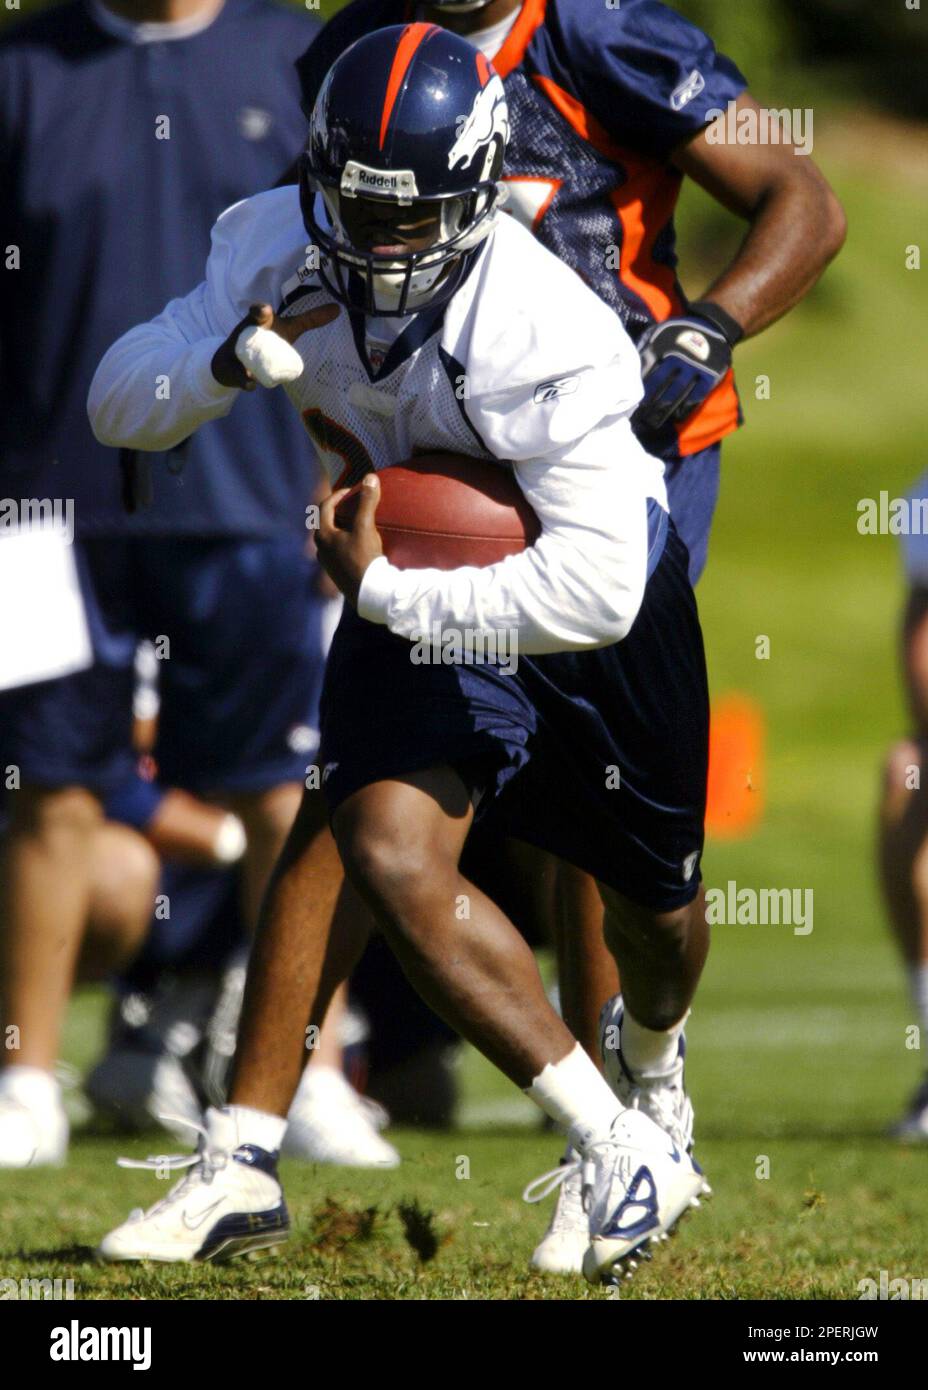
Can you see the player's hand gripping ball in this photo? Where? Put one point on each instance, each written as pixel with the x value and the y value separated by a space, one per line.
pixel 433 511
pixel 346 554
pixel 682 361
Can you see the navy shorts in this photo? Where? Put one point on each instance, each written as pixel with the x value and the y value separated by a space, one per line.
pixel 692 492
pixel 599 757
pixel 239 689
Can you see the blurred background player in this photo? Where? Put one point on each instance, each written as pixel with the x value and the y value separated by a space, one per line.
pixel 125 128
pixel 174 1020
pixel 903 842
pixel 610 109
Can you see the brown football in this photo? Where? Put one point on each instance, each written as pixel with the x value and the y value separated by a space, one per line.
pixel 441 511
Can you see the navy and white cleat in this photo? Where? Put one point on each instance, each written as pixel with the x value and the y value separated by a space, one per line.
pixel 663 1099
pixel 635 1185
pixel 229 1203
pixel 664 1184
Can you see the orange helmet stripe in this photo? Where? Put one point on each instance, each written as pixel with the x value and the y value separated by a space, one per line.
pixel 410 39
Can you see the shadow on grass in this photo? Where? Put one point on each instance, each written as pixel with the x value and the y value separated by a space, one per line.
pixel 63 1254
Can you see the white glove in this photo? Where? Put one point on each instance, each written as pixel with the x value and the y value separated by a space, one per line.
pixel 269 357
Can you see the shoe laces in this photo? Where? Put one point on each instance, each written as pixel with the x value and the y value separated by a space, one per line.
pixel 667 1105
pixel 569 1209
pixel 598 1154
pixel 204 1164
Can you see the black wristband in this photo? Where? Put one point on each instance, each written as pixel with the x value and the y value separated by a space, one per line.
pixel 729 328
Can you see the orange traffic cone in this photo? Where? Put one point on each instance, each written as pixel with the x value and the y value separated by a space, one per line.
pixel 737 737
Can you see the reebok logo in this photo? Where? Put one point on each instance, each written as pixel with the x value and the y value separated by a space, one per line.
pixel 550 390
pixel 682 96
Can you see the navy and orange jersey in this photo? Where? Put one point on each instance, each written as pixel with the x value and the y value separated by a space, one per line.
pixel 599 99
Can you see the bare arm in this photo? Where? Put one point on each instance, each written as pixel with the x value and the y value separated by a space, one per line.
pixel 191 831
pixel 797 223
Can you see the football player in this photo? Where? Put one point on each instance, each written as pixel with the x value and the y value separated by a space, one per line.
pixel 431 323
pixel 610 107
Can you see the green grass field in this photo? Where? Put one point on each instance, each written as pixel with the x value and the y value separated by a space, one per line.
pixel 797 1045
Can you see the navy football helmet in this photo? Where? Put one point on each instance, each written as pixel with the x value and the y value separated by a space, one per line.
pixel 400 179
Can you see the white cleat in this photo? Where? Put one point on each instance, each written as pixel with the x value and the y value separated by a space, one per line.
pixel 33 1124
pixel 663 1100
pixel 229 1203
pixel 635 1187
pixel 913 1127
pixel 329 1122
pixel 564 1244
pixel 642 1183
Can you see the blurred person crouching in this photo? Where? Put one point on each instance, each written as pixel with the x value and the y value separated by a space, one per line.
pixel 162 117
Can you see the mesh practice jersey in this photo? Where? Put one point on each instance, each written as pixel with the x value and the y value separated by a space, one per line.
pixel 524 365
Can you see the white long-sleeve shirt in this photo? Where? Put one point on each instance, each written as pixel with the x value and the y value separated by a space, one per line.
pixel 525 366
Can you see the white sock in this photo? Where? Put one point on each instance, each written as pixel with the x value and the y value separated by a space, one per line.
pixel 574 1095
pixel 918 976
pixel 31 1086
pixel 239 1124
pixel 649 1052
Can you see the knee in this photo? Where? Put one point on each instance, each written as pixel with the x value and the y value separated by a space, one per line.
pixel 407 886
pixel 126 871
pixel 384 868
pixel 269 815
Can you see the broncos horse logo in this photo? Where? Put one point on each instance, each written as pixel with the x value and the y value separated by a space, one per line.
pixel 489 118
